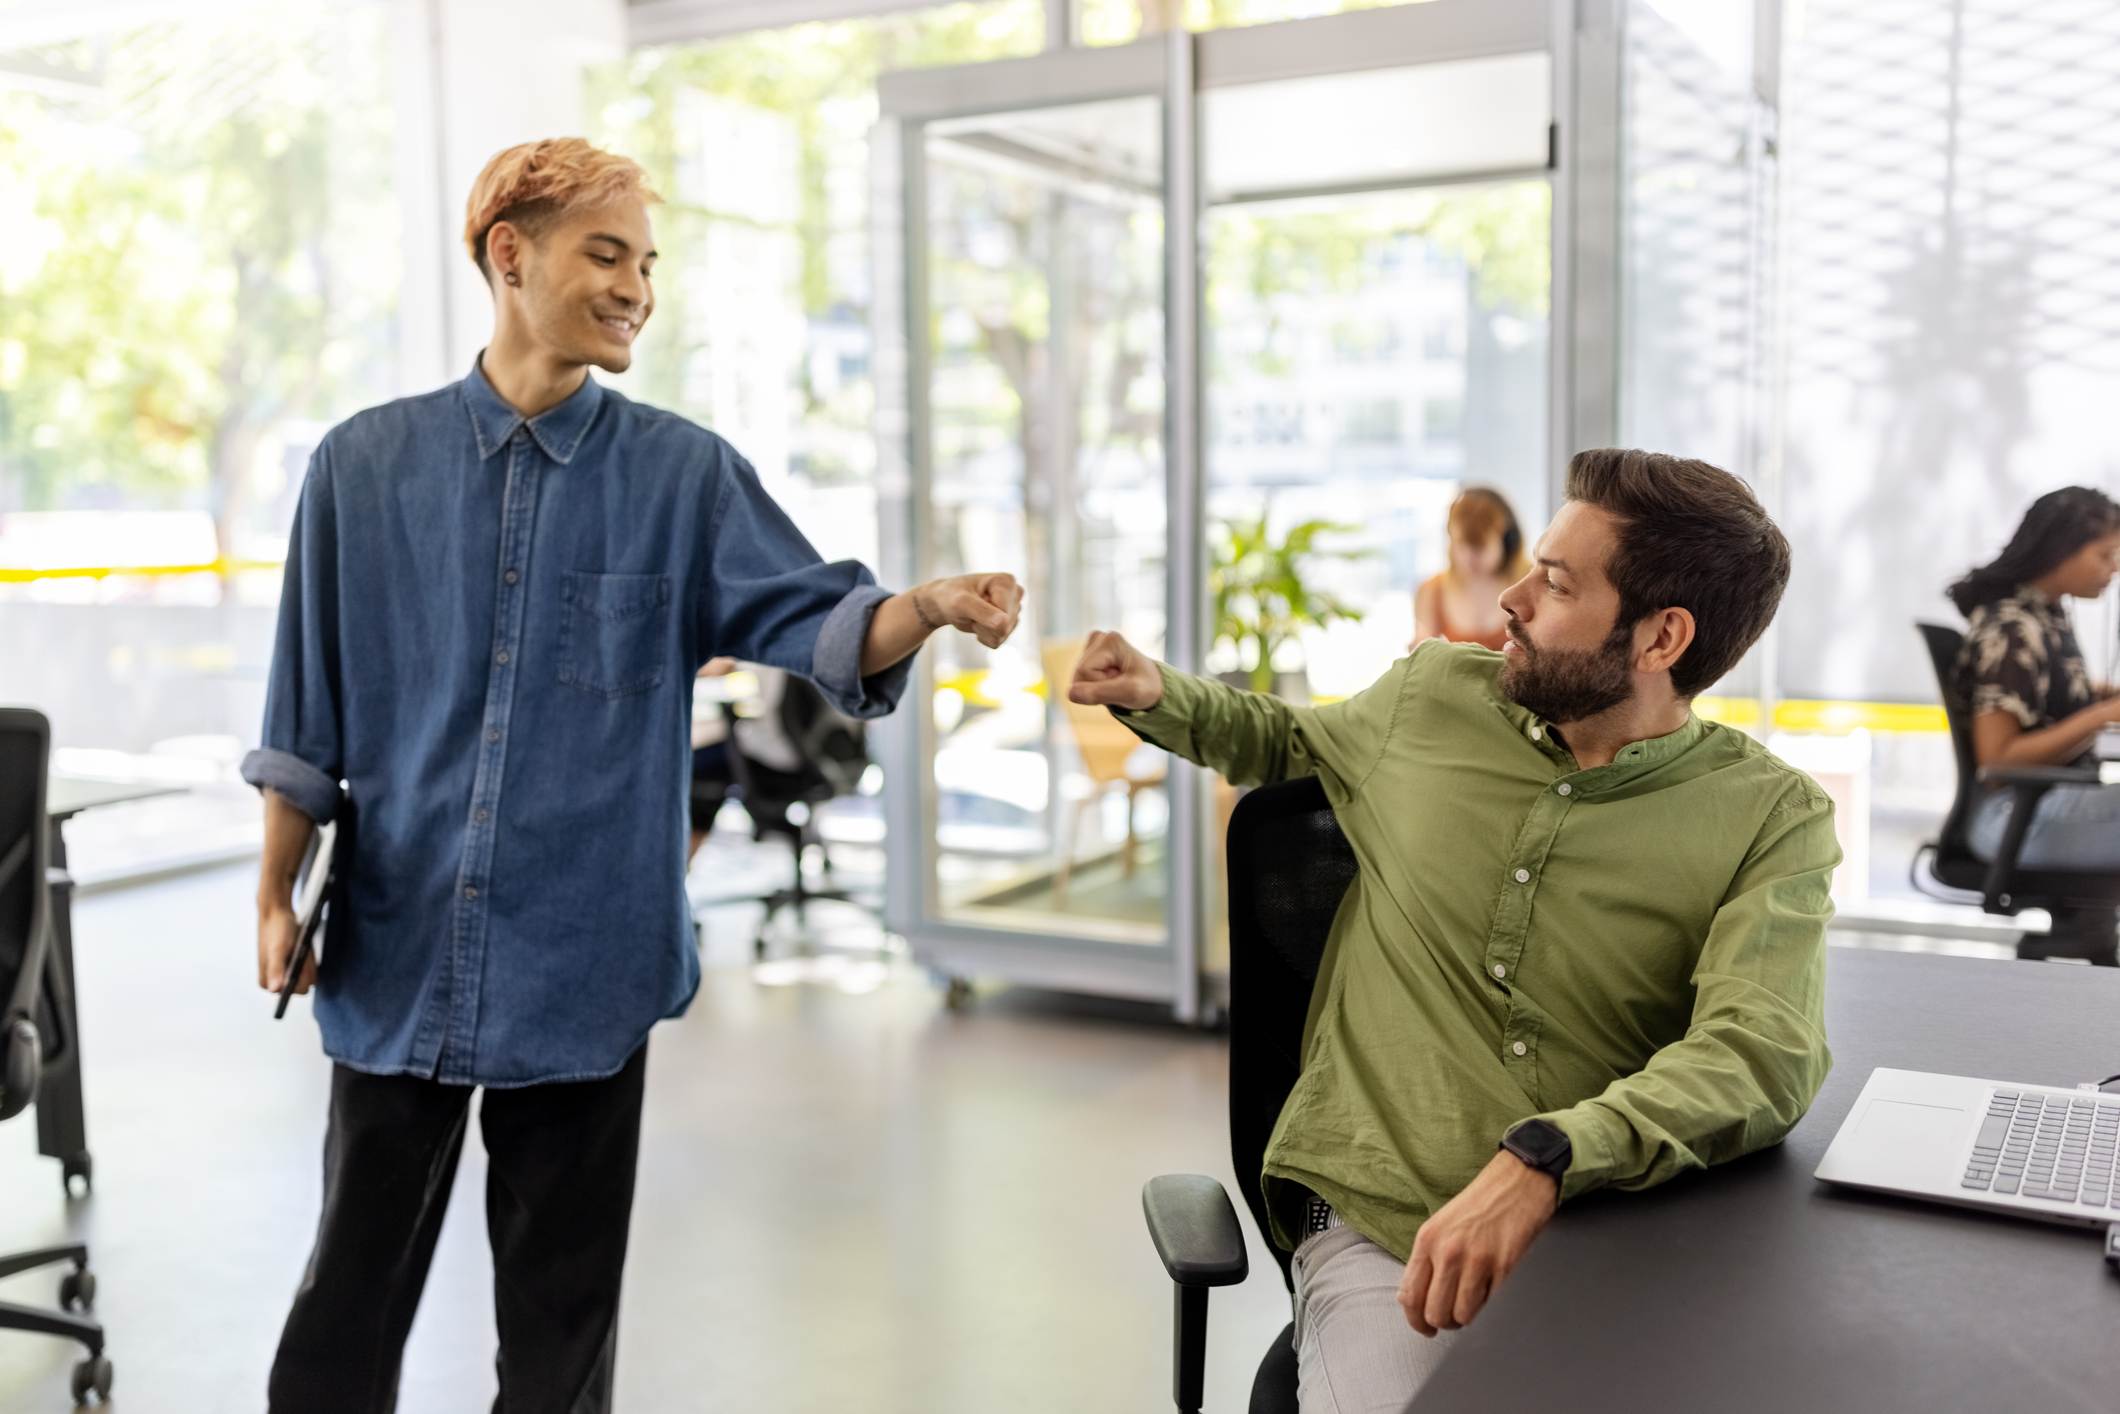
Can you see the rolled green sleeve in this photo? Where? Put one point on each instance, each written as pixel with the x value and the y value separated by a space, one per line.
pixel 1755 1053
pixel 1254 739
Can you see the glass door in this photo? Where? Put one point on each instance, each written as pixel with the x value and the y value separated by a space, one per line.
pixel 1036 839
pixel 1046 403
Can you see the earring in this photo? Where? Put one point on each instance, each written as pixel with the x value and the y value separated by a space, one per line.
pixel 512 278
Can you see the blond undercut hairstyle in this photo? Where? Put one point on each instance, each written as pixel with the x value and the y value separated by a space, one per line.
pixel 533 184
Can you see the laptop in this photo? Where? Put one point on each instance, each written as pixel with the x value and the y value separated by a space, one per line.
pixel 2036 1151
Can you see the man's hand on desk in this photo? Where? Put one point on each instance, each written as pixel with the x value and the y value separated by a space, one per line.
pixel 983 605
pixel 276 930
pixel 1475 1240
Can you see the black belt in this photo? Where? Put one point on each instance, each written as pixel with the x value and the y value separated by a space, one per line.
pixel 1318 1215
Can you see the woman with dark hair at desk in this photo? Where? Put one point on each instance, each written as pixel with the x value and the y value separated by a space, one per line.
pixel 2023 677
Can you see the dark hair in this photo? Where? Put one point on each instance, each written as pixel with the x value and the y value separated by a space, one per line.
pixel 1692 537
pixel 2058 525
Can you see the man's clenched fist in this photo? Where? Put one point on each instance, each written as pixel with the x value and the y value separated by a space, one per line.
pixel 983 605
pixel 1114 673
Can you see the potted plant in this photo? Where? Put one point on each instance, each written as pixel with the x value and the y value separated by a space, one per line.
pixel 1262 597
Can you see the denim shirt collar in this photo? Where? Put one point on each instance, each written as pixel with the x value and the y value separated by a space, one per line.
pixel 559 430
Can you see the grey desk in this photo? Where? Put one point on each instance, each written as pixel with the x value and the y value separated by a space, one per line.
pixel 62 1118
pixel 1753 1287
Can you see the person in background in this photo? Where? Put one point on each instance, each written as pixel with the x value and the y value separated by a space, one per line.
pixel 1462 604
pixel 2023 676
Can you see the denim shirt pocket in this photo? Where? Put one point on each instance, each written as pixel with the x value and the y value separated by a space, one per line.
pixel 612 632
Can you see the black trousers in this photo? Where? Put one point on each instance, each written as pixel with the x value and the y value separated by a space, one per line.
pixel 559 1195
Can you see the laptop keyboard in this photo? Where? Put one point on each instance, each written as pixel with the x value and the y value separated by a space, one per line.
pixel 2059 1147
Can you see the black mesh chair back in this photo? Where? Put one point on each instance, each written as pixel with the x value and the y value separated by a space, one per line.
pixel 30 1039
pixel 833 745
pixel 1289 868
pixel 831 753
pixel 1952 851
pixel 26 1024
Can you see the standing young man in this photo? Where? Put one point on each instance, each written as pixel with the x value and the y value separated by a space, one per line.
pixel 497 595
pixel 1586 944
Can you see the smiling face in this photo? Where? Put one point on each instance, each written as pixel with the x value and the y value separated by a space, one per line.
pixel 1567 656
pixel 587 281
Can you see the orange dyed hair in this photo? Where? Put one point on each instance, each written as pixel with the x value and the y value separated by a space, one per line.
pixel 533 184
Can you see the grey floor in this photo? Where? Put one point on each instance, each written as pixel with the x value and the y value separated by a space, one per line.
pixel 850 1199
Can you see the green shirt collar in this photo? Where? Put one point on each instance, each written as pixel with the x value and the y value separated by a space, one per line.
pixel 1633 759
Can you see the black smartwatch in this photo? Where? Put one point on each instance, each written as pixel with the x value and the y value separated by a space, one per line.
pixel 1541 1145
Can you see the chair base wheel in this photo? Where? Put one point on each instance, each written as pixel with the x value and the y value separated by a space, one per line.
pixel 79 1166
pixel 77 1291
pixel 93 1374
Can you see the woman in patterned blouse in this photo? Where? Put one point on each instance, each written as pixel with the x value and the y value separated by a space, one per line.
pixel 2024 677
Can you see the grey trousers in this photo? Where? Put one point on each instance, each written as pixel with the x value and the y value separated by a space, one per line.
pixel 2073 828
pixel 1355 1354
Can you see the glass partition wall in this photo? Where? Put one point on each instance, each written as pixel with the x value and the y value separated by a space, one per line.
pixel 1136 302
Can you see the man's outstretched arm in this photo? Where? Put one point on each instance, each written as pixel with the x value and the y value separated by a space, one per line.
pixel 1250 737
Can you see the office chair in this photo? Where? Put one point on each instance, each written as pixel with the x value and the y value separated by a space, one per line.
pixel 832 753
pixel 2002 886
pixel 1289 867
pixel 32 1034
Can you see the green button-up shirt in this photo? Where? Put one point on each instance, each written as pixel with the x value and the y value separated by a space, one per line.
pixel 1634 952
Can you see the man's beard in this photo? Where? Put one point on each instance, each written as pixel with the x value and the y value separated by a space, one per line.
pixel 1569 684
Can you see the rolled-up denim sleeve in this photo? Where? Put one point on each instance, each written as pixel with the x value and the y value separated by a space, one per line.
pixel 300 753
pixel 769 598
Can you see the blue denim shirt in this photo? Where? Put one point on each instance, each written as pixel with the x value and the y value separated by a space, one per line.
pixel 489 632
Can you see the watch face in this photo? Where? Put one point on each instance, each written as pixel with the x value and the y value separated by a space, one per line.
pixel 1540 1142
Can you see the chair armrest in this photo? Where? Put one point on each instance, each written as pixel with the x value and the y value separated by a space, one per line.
pixel 1196 1234
pixel 1195 1230
pixel 2039 776
pixel 2026 785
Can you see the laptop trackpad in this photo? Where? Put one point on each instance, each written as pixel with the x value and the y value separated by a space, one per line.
pixel 1910 1143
